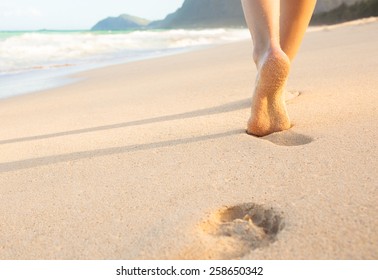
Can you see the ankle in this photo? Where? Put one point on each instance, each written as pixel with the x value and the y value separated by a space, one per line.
pixel 261 53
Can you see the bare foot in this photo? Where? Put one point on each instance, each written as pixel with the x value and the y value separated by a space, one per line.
pixel 268 112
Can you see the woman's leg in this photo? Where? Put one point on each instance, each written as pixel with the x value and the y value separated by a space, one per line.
pixel 294 20
pixel 268 111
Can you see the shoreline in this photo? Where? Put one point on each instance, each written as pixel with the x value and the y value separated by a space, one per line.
pixel 150 160
pixel 47 79
pixel 69 52
pixel 56 77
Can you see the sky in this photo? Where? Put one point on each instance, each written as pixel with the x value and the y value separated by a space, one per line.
pixel 76 14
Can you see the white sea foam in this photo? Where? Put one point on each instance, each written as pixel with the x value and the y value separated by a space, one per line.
pixel 43 50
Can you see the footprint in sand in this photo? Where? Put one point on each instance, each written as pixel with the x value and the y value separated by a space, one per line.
pixel 233 232
pixel 291 94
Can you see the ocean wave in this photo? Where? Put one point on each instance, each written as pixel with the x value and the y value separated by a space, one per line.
pixel 41 50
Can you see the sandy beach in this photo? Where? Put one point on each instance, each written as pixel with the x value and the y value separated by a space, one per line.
pixel 150 159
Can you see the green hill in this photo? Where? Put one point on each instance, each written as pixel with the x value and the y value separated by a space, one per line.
pixel 229 13
pixel 123 22
pixel 204 14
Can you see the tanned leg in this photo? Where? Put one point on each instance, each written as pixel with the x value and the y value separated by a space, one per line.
pixel 268 111
pixel 294 20
pixel 277 29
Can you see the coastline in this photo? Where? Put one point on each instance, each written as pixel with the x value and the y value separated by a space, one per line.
pixel 46 79
pixel 135 161
pixel 38 60
pixel 54 76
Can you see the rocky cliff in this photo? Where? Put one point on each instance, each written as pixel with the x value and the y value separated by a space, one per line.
pixel 328 5
pixel 207 14
pixel 344 12
pixel 224 13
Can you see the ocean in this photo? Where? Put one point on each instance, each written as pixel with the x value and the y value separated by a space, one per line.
pixel 36 60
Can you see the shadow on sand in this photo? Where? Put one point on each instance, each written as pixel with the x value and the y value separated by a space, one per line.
pixel 47 160
pixel 233 106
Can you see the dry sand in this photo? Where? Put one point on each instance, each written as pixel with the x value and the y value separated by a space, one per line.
pixel 151 160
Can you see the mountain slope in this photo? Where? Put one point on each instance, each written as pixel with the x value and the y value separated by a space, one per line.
pixel 221 13
pixel 224 13
pixel 328 5
pixel 122 22
pixel 205 13
pixel 362 9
